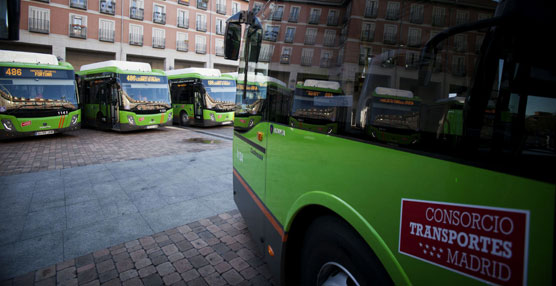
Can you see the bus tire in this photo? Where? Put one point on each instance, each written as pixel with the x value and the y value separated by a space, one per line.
pixel 333 252
pixel 184 118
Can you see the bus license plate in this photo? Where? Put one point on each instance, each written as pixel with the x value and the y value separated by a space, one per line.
pixel 44 132
pixel 152 126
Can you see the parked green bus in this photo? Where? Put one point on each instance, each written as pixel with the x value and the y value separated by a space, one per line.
pixel 37 95
pixel 202 97
pixel 124 96
pixel 458 189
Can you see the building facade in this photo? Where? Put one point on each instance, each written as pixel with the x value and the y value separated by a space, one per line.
pixel 169 34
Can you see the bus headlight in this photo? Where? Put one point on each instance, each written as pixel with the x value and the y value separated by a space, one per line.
pixel 170 116
pixel 130 120
pixel 8 125
pixel 74 119
pixel 251 122
pixel 212 117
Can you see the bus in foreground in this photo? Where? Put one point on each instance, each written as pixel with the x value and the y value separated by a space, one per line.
pixel 202 96
pixel 124 96
pixel 455 187
pixel 37 95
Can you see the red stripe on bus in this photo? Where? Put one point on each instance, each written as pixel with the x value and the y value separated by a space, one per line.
pixel 60 122
pixel 162 118
pixel 63 120
pixel 262 207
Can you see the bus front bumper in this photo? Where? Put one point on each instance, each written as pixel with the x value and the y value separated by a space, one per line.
pixel 128 127
pixel 15 134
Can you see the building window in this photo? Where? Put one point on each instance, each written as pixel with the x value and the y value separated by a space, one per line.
pixel 200 44
pixel 219 47
pixel 286 55
pixel 266 52
pixel 416 14
pixel 340 60
pixel 307 57
pixel 221 7
pixel 310 36
pixel 106 30
pixel 277 13
pixel 135 35
pixel 235 8
pixel 107 7
pixel 78 26
pixel 365 54
pixel 389 58
pixel 368 32
pixel 411 60
pixel 202 4
pixel 329 38
pixel 325 59
pixel 220 26
pixel 136 10
pixel 271 33
pixel 39 20
pixel 290 35
pixel 314 17
pixel 201 22
pixel 159 38
pixel 393 11
pixel 462 17
pixel 439 16
pixel 371 8
pixel 183 19
pixel 294 13
pixel 460 43
pixel 414 37
pixel 257 6
pixel 332 19
pixel 79 4
pixel 184 2
pixel 458 66
pixel 159 14
pixel 390 34
pixel 182 42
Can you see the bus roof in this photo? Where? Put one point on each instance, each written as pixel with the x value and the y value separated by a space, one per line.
pixel 28 58
pixel 393 92
pixel 119 66
pixel 197 72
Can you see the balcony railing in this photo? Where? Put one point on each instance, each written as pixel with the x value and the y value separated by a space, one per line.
pixel 79 4
pixel 310 40
pixel 288 39
pixel 293 17
pixel 438 20
pixel 39 25
pixel 393 15
pixel 329 42
pixel 285 59
pixel 371 12
pixel 135 40
pixel 77 31
pixel 159 42
pixel 332 21
pixel 108 7
pixel 159 18
pixel 325 62
pixel 416 18
pixel 183 2
pixel 221 8
pixel 368 36
pixel 390 39
pixel 201 26
pixel 183 22
pixel 182 45
pixel 136 13
pixel 314 19
pixel 106 35
pixel 201 48
pixel 306 61
pixel 277 15
pixel 414 42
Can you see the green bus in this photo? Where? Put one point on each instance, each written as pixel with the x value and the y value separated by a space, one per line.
pixel 124 96
pixel 470 202
pixel 202 96
pixel 37 95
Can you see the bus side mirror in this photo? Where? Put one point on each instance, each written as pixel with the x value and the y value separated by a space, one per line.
pixel 232 41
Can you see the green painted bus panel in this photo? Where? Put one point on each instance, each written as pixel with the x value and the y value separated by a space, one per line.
pixel 33 124
pixel 178 108
pixel 145 119
pixel 218 116
pixel 315 162
pixel 242 122
pixel 249 161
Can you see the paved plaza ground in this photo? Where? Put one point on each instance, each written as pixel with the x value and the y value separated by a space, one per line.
pixel 133 208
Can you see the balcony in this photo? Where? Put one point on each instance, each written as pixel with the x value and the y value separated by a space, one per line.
pixel 183 22
pixel 136 13
pixel 329 42
pixel 277 15
pixel 414 42
pixel 201 26
pixel 368 36
pixel 79 4
pixel 106 35
pixel 183 2
pixel 285 59
pixel 201 48
pixel 182 45
pixel 77 31
pixel 108 7
pixel 438 21
pixel 159 18
pixel 293 17
pixel 288 39
pixel 135 40
pixel 325 63
pixel 306 61
pixel 332 21
pixel 371 12
pixel 314 19
pixel 159 42
pixel 221 8
pixel 39 25
pixel 310 40
pixel 390 39
pixel 416 19
pixel 393 15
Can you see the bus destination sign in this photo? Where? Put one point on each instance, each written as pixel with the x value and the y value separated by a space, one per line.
pixel 143 78
pixel 219 82
pixel 36 73
pixel 485 243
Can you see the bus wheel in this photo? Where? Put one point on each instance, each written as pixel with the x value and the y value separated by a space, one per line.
pixel 184 118
pixel 334 254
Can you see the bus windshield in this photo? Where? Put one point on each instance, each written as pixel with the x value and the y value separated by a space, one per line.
pixel 49 91
pixel 147 92
pixel 322 105
pixel 220 90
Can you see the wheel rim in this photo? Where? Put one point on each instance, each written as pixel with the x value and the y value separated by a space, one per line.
pixel 334 274
pixel 184 118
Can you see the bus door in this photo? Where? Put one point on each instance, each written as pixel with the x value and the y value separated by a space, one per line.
pixel 198 104
pixel 108 101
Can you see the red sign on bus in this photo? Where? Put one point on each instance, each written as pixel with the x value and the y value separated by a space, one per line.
pixel 485 243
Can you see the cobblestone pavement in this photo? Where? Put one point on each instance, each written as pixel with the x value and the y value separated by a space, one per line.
pixel 213 251
pixel 87 147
